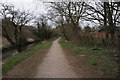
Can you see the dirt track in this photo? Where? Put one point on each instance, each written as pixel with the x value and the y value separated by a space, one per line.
pixel 55 64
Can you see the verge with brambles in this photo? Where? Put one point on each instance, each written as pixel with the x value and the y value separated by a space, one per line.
pixel 99 58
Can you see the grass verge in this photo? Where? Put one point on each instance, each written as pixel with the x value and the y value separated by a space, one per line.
pixel 14 60
pixel 100 59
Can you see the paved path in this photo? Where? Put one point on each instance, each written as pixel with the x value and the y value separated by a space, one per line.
pixel 55 64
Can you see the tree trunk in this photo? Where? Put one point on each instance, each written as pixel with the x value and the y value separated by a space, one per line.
pixel 63 29
pixel 20 40
pixel 105 24
pixel 118 57
pixel 9 39
pixel 111 25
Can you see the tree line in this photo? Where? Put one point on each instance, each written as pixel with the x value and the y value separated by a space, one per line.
pixel 14 21
pixel 104 15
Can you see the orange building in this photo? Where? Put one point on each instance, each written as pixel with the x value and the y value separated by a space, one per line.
pixel 101 34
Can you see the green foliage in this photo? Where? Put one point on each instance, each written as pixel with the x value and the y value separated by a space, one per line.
pixel 44 34
pixel 96 48
pixel 66 44
pixel 21 56
pixel 44 31
pixel 77 50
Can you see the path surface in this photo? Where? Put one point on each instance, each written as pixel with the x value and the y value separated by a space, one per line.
pixel 55 64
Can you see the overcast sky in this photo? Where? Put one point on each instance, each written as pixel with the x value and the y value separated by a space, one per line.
pixel 35 6
pixel 32 5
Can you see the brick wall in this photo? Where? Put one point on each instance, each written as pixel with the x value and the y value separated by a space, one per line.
pixel 103 35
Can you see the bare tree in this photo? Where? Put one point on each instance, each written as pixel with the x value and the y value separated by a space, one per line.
pixel 105 13
pixel 16 20
pixel 70 13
